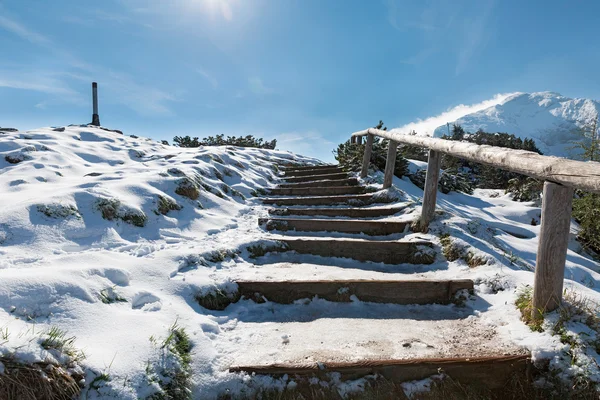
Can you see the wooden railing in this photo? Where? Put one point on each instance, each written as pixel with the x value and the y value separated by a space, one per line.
pixel 560 175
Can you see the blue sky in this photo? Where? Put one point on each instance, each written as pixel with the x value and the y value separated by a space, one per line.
pixel 307 72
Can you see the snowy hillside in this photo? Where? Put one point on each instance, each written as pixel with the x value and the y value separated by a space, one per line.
pixel 112 239
pixel 547 117
pixel 95 231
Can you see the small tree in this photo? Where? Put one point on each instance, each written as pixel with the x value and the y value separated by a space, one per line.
pixel 588 141
pixel 380 126
pixel 586 206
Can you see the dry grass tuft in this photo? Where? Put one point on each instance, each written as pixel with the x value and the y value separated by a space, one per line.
pixel 36 381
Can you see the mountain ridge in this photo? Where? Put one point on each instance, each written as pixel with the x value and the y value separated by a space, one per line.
pixel 549 118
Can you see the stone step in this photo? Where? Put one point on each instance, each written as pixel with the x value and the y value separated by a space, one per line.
pixel 354 199
pixel 341 212
pixel 383 251
pixel 317 191
pixel 327 182
pixel 485 372
pixel 308 167
pixel 309 172
pixel 335 225
pixel 317 177
pixel 374 291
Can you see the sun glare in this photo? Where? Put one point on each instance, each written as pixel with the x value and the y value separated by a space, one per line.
pixel 218 8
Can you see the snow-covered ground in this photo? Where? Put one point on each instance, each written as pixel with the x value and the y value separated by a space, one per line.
pixel 59 259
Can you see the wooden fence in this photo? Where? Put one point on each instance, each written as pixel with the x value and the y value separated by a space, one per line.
pixel 560 175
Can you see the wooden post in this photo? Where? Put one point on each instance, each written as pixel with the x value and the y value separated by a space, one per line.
pixel 95 116
pixel 367 156
pixel 359 140
pixel 430 189
pixel 552 248
pixel 352 139
pixel 390 164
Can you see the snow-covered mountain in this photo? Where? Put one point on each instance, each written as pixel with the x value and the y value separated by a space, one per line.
pixel 549 118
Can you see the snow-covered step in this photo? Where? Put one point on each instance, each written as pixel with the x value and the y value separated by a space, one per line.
pixel 309 172
pixel 309 167
pixel 384 251
pixel 342 212
pixel 490 372
pixel 335 225
pixel 375 291
pixel 401 342
pixel 327 182
pixel 318 191
pixel 359 199
pixel 316 177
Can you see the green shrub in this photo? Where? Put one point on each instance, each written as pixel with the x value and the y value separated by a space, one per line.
pixel 524 188
pixel 165 205
pixel 586 211
pixel 188 188
pixel 450 181
pixel 350 157
pixel 485 176
pixel 175 377
pixel 111 209
pixel 217 299
pixel 220 140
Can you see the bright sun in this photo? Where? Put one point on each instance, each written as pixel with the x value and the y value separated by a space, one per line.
pixel 219 8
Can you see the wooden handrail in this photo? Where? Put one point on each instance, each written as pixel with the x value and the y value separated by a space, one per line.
pixel 561 177
pixel 583 175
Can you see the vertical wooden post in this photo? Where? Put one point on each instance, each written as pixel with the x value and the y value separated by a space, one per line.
pixel 390 164
pixel 95 116
pixel 367 156
pixel 359 140
pixel 552 248
pixel 430 189
pixel 352 139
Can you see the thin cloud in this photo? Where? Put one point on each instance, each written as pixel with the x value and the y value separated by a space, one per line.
pixel 310 142
pixel 211 79
pixel 258 87
pixel 474 37
pixel 427 126
pixel 23 32
pixel 143 99
pixel 38 81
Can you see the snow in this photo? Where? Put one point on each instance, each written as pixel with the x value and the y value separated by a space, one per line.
pixel 59 258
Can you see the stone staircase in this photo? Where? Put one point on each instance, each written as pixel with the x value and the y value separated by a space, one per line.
pixel 425 336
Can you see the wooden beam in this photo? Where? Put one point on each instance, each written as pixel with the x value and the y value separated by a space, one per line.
pixel 577 174
pixel 430 190
pixel 552 248
pixel 390 164
pixel 313 178
pixel 310 172
pixel 492 372
pixel 367 227
pixel 323 190
pixel 367 156
pixel 384 251
pixel 375 291
pixel 342 212
pixel 328 182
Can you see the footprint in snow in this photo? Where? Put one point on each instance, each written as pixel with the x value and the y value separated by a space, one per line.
pixel 146 301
